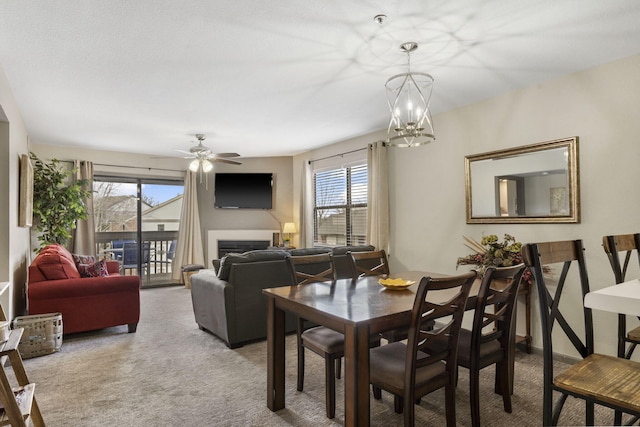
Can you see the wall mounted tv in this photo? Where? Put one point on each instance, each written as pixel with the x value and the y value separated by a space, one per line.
pixel 243 190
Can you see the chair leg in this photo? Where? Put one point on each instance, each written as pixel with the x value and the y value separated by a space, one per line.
pixel 377 392
pixel 398 404
pixel 450 405
pixel 338 367
pixel 474 396
pixel 505 383
pixel 300 367
pixel 330 386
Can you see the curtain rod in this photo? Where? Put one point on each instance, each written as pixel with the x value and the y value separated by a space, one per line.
pixel 138 167
pixel 338 155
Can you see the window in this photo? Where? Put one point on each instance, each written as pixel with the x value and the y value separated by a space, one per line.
pixel 340 206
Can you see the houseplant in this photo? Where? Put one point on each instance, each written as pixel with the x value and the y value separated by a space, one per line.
pixel 58 201
pixel 490 251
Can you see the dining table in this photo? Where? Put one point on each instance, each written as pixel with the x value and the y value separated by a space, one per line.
pixel 357 309
pixel 622 298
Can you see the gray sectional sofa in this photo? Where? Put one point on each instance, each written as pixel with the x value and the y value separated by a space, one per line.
pixel 229 303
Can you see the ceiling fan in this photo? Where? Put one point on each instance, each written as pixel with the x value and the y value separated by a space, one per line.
pixel 203 157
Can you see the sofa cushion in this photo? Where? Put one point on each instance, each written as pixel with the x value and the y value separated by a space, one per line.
pixel 96 269
pixel 341 250
pixel 55 262
pixel 309 251
pixel 252 256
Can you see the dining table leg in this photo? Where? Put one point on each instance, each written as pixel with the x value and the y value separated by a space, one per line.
pixel 356 355
pixel 275 356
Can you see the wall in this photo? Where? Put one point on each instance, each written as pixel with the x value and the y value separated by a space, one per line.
pixel 15 253
pixel 427 195
pixel 249 219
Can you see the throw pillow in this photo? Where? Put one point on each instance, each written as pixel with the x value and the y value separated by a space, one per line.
pixel 97 269
pixel 83 259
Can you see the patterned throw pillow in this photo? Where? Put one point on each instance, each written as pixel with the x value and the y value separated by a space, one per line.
pixel 83 259
pixel 97 269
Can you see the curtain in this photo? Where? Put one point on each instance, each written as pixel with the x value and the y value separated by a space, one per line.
pixel 378 196
pixel 84 235
pixel 306 207
pixel 189 248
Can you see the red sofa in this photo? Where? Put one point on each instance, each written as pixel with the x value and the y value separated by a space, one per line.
pixel 86 303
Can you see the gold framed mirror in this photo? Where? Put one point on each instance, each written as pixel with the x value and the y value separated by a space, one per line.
pixel 537 183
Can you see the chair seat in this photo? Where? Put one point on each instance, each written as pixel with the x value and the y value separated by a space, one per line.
pixel 613 380
pixel 464 348
pixel 327 340
pixel 634 334
pixel 388 366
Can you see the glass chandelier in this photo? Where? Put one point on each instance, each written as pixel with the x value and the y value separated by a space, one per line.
pixel 408 96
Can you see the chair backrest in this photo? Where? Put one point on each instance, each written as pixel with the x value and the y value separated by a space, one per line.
pixel 495 306
pixel 443 336
pixel 130 254
pixel 616 244
pixel 119 244
pixel 613 246
pixel 560 253
pixel 172 250
pixel 312 268
pixel 370 263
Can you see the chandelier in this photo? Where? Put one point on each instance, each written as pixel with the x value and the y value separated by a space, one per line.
pixel 408 96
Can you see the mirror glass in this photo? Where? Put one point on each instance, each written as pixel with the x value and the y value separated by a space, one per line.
pixel 528 184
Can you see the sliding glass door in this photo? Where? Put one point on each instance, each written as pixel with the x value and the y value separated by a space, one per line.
pixel 137 223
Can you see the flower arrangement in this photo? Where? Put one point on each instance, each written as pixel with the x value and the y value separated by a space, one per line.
pixel 491 252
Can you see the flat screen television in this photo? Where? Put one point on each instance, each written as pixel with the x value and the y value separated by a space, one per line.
pixel 243 190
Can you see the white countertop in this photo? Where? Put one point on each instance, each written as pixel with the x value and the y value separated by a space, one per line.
pixel 622 298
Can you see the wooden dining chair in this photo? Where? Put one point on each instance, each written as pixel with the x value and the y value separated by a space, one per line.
pixel 409 373
pixel 369 263
pixel 597 379
pixel 613 246
pixel 491 339
pixel 329 344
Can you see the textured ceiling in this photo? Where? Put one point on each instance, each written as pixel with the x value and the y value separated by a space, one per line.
pixel 278 77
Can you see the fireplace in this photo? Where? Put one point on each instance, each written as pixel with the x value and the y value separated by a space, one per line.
pixel 240 246
pixel 215 236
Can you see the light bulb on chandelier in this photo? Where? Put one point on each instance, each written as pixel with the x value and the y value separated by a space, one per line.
pixel 207 166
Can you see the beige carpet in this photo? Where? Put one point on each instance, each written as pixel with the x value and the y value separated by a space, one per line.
pixel 169 373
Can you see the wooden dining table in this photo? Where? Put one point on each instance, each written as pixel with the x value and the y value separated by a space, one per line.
pixel 356 309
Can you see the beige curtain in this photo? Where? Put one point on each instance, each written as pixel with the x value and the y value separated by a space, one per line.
pixel 306 207
pixel 189 248
pixel 378 196
pixel 84 235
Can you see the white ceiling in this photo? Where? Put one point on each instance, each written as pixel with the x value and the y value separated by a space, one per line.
pixel 278 77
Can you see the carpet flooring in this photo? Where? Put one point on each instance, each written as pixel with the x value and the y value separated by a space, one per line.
pixel 170 373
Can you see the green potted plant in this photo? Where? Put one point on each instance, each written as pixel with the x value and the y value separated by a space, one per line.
pixel 58 202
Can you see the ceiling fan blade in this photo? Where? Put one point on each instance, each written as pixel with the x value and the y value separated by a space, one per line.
pixel 231 162
pixel 184 152
pixel 227 155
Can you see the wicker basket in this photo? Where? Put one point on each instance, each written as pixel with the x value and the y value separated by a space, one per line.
pixel 42 334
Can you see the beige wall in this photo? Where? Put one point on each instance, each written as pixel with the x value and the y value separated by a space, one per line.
pixel 249 219
pixel 601 106
pixel 15 253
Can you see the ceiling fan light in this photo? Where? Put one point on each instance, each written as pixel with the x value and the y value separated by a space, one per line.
pixel 194 165
pixel 207 166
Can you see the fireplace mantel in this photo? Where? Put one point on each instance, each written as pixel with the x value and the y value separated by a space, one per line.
pixel 214 235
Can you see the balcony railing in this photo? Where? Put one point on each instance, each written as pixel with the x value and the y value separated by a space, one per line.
pixel 159 267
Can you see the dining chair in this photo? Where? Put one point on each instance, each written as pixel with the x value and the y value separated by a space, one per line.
pixel 596 378
pixel 491 340
pixel 321 340
pixel 130 256
pixel 374 263
pixel 369 263
pixel 408 372
pixel 614 245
